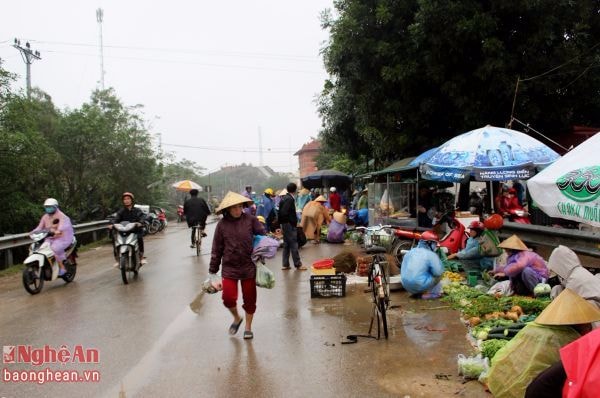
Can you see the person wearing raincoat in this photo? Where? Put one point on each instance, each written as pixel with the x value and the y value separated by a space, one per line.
pixel 524 268
pixel 422 268
pixel 536 347
pixel 313 217
pixel 60 225
pixel 301 201
pixel 266 208
pixel 565 263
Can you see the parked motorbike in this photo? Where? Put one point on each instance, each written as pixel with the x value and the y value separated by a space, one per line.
pixel 152 222
pixel 180 216
pixel 519 215
pixel 127 249
pixel 162 218
pixel 41 265
pixel 452 241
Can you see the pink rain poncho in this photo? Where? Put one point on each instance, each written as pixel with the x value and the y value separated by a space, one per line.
pixel 57 222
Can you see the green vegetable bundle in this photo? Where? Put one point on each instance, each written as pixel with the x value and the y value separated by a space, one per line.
pixel 490 347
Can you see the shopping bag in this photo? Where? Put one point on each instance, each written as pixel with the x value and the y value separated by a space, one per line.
pixel 264 277
pixel 301 236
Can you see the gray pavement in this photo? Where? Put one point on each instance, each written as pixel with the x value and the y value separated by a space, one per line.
pixel 152 345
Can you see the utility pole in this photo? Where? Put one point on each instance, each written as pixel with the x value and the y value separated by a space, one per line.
pixel 28 57
pixel 99 18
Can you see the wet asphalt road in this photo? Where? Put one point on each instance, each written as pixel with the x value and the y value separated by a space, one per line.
pixel 152 345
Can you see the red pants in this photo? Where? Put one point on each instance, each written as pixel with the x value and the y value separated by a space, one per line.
pixel 230 294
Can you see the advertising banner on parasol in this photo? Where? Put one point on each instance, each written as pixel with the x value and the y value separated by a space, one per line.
pixel 570 188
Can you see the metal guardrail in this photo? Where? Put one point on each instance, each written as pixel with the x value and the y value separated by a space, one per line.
pixel 586 243
pixel 7 243
pixel 581 242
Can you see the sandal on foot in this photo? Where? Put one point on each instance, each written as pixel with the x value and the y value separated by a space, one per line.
pixel 285 268
pixel 248 335
pixel 233 329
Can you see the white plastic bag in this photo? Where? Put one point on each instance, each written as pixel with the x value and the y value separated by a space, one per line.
pixel 503 287
pixel 264 277
pixel 472 367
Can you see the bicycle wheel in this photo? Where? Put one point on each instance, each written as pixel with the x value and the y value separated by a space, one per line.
pixel 384 299
pixel 198 241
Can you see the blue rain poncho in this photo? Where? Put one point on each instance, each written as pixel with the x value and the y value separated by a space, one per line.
pixel 421 269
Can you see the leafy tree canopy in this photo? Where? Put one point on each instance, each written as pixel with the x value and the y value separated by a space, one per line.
pixel 406 75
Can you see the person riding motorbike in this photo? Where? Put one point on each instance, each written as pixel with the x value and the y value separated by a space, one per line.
pixel 196 211
pixel 60 225
pixel 131 214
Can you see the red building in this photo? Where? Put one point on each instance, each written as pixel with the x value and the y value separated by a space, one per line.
pixel 307 157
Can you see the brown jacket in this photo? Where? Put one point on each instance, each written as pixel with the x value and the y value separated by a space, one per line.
pixel 232 246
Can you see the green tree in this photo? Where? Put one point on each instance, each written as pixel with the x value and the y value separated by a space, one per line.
pixel 408 74
pixel 28 165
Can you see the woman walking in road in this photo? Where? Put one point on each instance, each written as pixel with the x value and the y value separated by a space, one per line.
pixel 232 250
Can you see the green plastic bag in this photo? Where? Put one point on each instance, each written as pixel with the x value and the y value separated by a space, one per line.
pixel 264 277
pixel 532 350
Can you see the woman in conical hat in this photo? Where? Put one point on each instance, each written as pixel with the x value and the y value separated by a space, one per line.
pixel 537 347
pixel 314 215
pixel 577 369
pixel 524 268
pixel 231 251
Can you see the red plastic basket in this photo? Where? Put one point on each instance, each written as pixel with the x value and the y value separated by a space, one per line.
pixel 324 263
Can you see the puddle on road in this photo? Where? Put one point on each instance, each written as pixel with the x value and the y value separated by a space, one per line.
pixel 143 371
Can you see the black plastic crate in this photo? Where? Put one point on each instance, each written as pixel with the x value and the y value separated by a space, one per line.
pixel 327 285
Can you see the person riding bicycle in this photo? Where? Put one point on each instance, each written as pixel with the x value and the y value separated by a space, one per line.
pixel 196 211
pixel 422 268
pixel 60 225
pixel 131 213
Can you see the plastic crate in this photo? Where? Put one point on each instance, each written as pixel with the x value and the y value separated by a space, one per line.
pixel 327 285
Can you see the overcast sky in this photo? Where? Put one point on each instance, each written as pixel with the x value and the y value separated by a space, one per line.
pixel 209 73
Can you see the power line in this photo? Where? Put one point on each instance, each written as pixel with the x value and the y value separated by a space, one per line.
pixel 28 57
pixel 229 149
pixel 188 62
pixel 307 58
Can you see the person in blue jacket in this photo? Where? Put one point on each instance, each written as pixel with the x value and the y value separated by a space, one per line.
pixel 470 257
pixel 422 268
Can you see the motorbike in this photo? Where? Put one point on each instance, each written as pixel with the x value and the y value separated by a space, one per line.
pixel 41 265
pixel 162 218
pixel 519 215
pixel 452 241
pixel 127 249
pixel 180 216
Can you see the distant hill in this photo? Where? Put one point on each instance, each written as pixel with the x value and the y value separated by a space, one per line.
pixel 235 178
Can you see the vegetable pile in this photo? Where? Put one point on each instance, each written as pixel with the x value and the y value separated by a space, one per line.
pixel 492 320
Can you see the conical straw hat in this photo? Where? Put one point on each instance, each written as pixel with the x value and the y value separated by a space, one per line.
pixel 320 198
pixel 513 243
pixel 339 217
pixel 304 191
pixel 568 309
pixel 232 199
pixel 283 192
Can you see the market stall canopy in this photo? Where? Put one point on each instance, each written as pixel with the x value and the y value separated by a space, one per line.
pixel 327 178
pixel 570 188
pixel 186 186
pixel 487 154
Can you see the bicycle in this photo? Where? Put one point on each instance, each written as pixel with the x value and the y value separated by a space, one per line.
pixel 379 286
pixel 377 278
pixel 197 231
